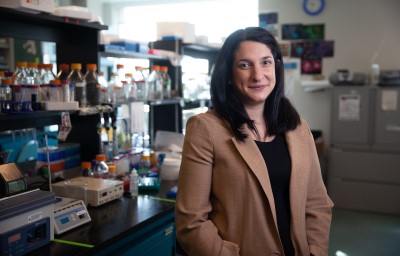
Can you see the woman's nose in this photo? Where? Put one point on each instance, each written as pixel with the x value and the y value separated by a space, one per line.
pixel 257 73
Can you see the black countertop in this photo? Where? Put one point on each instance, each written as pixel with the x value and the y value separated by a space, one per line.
pixel 111 222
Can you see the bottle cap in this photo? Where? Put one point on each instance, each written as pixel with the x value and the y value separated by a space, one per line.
pixel 64 66
pixel 112 168
pixel 48 66
pixel 164 68
pixel 55 81
pixel 76 66
pixel 100 157
pixel 91 66
pixel 119 66
pixel 21 64
pixel 156 67
pixel 86 165
pixel 32 65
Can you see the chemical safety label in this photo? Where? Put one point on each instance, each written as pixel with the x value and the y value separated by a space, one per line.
pixel 34 217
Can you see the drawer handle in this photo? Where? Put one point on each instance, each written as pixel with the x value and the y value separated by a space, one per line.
pixel 168 231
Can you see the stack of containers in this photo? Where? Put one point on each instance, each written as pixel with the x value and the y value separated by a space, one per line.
pixel 64 159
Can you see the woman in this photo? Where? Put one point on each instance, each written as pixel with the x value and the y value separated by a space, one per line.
pixel 250 180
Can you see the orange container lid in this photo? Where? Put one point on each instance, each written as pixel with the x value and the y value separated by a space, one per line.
pixel 64 66
pixel 76 66
pixel 86 165
pixel 91 66
pixel 100 157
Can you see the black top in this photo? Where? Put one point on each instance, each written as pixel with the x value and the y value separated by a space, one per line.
pixel 277 159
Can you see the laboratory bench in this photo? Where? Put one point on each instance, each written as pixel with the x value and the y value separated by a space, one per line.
pixel 139 225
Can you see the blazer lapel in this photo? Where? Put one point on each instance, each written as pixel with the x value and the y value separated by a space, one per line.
pixel 252 156
pixel 298 151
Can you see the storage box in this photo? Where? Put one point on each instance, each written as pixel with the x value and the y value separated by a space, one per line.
pixel 30 6
pixel 184 30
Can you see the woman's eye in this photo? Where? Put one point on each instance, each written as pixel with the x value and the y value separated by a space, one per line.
pixel 243 64
pixel 268 62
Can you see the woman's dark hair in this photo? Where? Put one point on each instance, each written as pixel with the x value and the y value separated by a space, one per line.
pixel 279 113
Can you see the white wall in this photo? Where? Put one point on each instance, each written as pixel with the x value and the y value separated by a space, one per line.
pixel 359 28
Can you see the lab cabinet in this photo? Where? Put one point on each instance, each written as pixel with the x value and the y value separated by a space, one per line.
pixel 351 116
pixel 387 125
pixel 364 153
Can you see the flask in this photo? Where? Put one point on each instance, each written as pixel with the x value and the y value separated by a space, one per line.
pixel 166 81
pixel 93 88
pixel 155 85
pixel 101 168
pixel 75 77
pixel 134 183
pixel 86 169
pixel 140 78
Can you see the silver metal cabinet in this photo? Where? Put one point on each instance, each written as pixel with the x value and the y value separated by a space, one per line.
pixel 364 157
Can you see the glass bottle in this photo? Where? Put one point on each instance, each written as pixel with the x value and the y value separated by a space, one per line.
pixel 47 74
pixel 166 80
pixel 115 88
pixel 134 183
pixel 75 78
pixel 93 88
pixel 86 169
pixel 104 96
pixel 140 78
pixel 55 90
pixel 20 74
pixel 62 75
pixel 120 74
pixel 155 85
pixel 101 168
pixel 112 172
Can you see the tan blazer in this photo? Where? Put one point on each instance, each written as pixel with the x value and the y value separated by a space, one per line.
pixel 225 204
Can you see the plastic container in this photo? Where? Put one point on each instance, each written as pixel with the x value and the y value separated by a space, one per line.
pixel 75 78
pixel 93 88
pixel 100 169
pixel 170 169
pixel 134 183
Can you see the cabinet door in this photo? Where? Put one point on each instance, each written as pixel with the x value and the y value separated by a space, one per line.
pixel 387 125
pixel 352 115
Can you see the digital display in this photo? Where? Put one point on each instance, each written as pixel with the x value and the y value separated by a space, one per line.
pixel 14 238
pixel 16 186
pixel 64 220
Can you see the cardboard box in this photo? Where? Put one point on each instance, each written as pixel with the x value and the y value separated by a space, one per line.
pixel 184 30
pixel 30 6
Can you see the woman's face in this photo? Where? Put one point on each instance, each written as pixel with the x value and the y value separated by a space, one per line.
pixel 253 72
